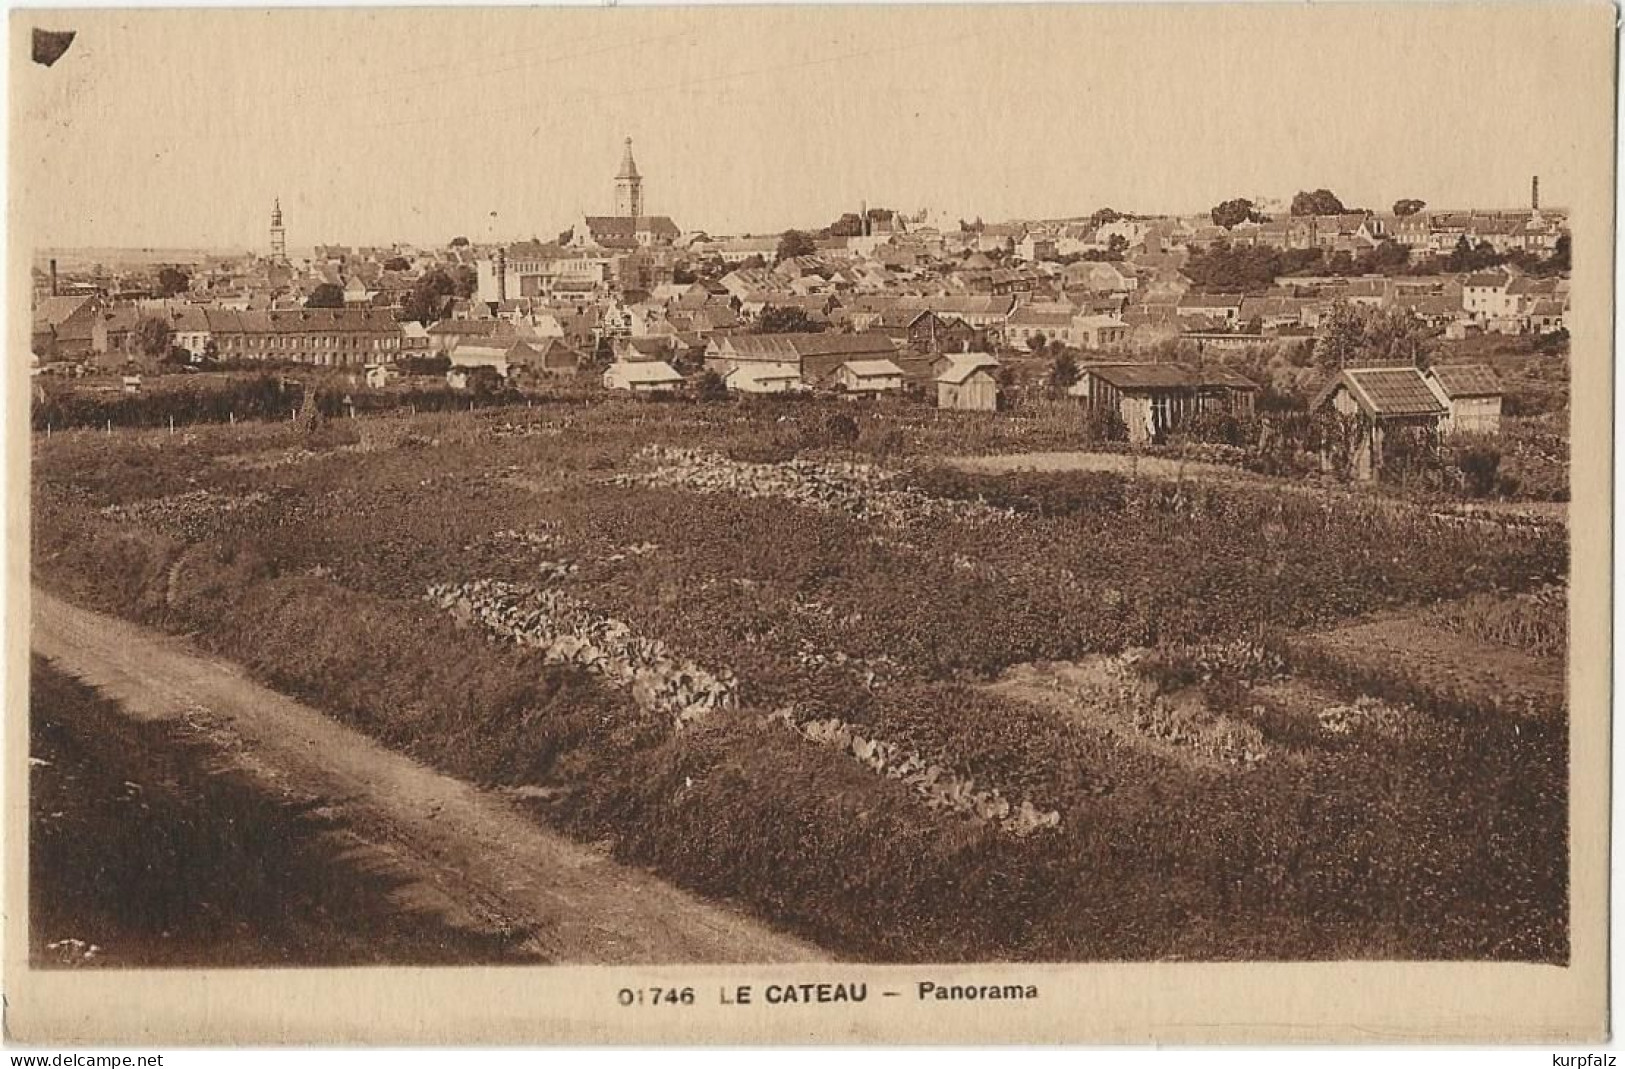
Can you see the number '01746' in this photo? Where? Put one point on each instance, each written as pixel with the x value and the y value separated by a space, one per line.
pixel 656 996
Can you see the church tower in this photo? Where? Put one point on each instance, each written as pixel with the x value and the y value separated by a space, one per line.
pixel 628 186
pixel 279 236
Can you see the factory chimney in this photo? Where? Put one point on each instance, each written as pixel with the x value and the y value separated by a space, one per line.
pixel 1534 193
pixel 53 276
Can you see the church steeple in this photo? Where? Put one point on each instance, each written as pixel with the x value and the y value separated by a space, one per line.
pixel 279 235
pixel 628 186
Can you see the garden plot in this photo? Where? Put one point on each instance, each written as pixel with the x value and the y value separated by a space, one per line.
pixel 939 787
pixel 1405 656
pixel 568 631
pixel 1108 694
pixel 860 490
pixel 191 515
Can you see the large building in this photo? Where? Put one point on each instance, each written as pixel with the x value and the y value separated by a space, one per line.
pixel 629 227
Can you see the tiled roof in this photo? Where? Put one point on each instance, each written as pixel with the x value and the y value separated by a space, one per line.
pixel 1167 376
pixel 1466 380
pixel 1386 391
pixel 868 369
pixel 797 346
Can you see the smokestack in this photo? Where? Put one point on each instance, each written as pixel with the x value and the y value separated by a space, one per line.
pixel 502 274
pixel 53 276
pixel 1534 193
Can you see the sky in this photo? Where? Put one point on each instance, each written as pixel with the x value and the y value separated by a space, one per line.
pixel 178 128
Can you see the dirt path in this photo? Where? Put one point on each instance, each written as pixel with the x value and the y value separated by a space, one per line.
pixel 1117 463
pixel 468 853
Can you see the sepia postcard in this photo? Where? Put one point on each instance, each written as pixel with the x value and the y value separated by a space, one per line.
pixel 1068 523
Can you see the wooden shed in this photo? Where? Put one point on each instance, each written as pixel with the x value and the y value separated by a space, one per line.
pixel 966 381
pixel 1155 400
pixel 1472 394
pixel 1375 402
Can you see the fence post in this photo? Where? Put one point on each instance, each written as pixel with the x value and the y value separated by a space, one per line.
pixel 231 417
pixel 110 428
pixel 172 425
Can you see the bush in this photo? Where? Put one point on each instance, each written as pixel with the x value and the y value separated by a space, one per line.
pixel 1479 463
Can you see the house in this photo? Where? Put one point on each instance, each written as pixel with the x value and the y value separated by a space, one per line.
pixel 1374 403
pixel 1546 317
pixel 1225 306
pixel 448 334
pixel 1098 331
pixel 924 330
pixel 329 337
pixel 542 358
pixel 1484 296
pixel 1030 325
pixel 867 377
pixel 816 355
pixel 642 377
pixel 1155 400
pixel 69 328
pixel 1102 276
pixel 765 377
pixel 966 381
pixel 1472 394
pixel 473 354
pixel 414 339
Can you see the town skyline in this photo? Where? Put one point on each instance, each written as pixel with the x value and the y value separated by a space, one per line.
pixel 432 135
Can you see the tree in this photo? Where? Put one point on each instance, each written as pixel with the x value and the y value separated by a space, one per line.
pixel 172 281
pixel 1117 246
pixel 327 295
pixel 459 243
pixel 1319 202
pixel 1408 206
pixel 428 296
pixel 1233 212
pixel 1064 371
pixel 1222 268
pixel 710 387
pixel 753 262
pixel 152 337
pixel 465 280
pixel 1388 258
pixel 1559 261
pixel 1469 257
pixel 796 243
pixel 397 263
pixel 1104 216
pixel 849 225
pixel 1360 337
pixel 788 319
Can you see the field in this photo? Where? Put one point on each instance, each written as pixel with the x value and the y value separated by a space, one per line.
pixel 783 654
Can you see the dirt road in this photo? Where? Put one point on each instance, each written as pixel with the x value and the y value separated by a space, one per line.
pixel 465 853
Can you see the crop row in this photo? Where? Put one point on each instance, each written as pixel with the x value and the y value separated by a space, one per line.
pixel 940 788
pixel 569 632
